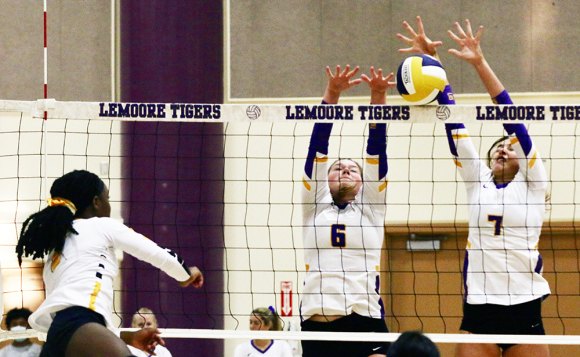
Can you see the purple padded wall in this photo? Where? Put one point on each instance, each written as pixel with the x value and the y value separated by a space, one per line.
pixel 171 51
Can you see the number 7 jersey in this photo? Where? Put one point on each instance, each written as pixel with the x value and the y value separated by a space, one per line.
pixel 502 263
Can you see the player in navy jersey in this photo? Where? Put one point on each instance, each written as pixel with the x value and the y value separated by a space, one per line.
pixel 503 285
pixel 79 240
pixel 343 211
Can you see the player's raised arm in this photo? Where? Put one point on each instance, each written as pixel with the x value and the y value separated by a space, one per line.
pixel 148 251
pixel 530 162
pixel 376 166
pixel 315 185
pixel 471 52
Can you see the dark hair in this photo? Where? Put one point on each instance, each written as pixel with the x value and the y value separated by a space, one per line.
pixel 489 152
pixel 413 344
pixel 46 230
pixel 16 313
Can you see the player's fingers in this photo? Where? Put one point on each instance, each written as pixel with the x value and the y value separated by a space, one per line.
pixel 468 28
pixel 436 43
pixel 453 36
pixel 355 82
pixel 408 50
pixel 345 71
pixel 420 27
pixel 353 72
pixel 328 72
pixel 365 78
pixel 199 280
pixel 409 29
pixel 460 30
pixel 404 38
pixel 454 52
pixel 389 77
pixel 479 33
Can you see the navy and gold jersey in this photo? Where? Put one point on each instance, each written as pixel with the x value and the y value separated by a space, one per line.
pixel 83 274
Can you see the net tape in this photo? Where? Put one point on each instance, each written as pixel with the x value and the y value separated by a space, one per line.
pixel 332 336
pixel 219 113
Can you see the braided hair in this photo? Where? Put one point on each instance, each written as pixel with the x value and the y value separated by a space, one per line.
pixel 46 230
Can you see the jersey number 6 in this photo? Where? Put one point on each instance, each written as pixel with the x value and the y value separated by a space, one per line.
pixel 338 235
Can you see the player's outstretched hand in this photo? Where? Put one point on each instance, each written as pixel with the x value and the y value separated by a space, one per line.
pixel 378 84
pixel 418 41
pixel 469 44
pixel 339 81
pixel 195 278
pixel 145 339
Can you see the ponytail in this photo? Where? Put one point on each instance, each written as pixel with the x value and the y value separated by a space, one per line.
pixel 46 230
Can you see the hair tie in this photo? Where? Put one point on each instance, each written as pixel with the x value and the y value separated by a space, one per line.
pixel 271 308
pixel 58 201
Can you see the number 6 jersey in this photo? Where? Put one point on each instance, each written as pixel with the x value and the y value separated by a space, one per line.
pixel 342 246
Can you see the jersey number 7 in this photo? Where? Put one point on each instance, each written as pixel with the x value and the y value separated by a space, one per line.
pixel 497 220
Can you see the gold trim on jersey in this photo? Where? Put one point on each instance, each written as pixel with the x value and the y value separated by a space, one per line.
pixel 306 184
pixel 514 140
pixel 307 266
pixel 55 261
pixel 460 136
pixel 321 159
pixel 94 294
pixel 372 161
pixel 457 163
pixel 383 185
pixel 532 161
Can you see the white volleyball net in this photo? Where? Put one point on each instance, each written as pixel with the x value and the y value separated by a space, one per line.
pixel 243 209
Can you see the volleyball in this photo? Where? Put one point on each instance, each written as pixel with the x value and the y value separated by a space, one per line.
pixel 420 79
pixel 253 112
pixel 443 113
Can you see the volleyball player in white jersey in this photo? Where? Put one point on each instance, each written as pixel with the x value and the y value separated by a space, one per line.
pixel 79 240
pixel 264 319
pixel 344 209
pixel 503 285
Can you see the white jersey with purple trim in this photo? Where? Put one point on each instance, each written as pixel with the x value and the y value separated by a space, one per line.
pixel 83 274
pixel 160 351
pixel 502 265
pixel 277 348
pixel 342 246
